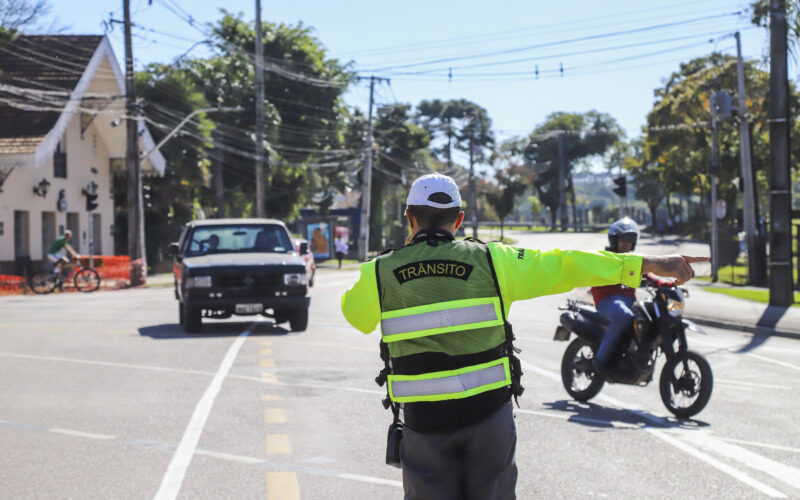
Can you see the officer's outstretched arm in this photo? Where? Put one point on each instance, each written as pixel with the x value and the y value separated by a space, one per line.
pixel 360 304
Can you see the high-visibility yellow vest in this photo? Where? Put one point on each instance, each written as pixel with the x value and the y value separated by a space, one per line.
pixel 442 298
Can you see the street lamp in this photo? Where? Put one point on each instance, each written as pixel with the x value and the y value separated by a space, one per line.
pixel 40 189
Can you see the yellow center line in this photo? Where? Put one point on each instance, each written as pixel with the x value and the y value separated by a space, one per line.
pixel 274 416
pixel 266 352
pixel 267 363
pixel 268 377
pixel 282 486
pixel 278 444
pixel 266 342
pixel 270 397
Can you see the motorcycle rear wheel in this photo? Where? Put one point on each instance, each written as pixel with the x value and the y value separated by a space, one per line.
pixel 686 383
pixel 577 371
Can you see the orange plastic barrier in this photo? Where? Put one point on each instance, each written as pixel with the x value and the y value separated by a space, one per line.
pixel 10 283
pixel 115 267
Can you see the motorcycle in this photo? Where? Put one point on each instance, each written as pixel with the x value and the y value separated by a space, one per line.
pixel 686 380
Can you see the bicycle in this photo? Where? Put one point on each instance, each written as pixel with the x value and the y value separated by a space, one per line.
pixel 85 279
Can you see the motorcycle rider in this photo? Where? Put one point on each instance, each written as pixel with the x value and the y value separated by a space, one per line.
pixel 614 302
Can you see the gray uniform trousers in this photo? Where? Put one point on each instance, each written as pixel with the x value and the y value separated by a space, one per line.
pixel 476 462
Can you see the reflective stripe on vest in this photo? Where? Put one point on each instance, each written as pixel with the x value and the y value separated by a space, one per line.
pixel 440 317
pixel 450 384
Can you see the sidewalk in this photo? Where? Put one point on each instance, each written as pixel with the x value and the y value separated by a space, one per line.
pixel 724 311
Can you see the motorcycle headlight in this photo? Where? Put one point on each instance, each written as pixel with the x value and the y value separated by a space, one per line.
pixel 198 282
pixel 294 279
pixel 675 308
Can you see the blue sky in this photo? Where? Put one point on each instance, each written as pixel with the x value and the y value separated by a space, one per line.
pixel 627 48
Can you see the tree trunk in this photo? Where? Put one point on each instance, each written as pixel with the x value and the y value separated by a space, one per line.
pixel 502 222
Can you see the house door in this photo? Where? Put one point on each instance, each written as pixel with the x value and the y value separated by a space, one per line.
pixel 48 231
pixel 97 235
pixel 22 239
pixel 73 224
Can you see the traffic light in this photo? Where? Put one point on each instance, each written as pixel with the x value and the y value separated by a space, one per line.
pixel 622 186
pixel 91 202
pixel 90 191
pixel 249 113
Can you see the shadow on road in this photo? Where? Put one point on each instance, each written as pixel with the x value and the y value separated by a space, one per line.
pixel 594 415
pixel 227 329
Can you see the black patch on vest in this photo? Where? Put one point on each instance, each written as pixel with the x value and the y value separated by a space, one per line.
pixel 433 268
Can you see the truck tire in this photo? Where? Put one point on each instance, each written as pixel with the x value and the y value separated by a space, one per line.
pixel 298 320
pixel 190 318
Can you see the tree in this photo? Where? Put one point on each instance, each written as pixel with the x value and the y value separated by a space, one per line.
pixel 169 94
pixel 647 181
pixel 20 15
pixel 400 148
pixel 510 184
pixel 678 136
pixel 584 135
pixel 304 113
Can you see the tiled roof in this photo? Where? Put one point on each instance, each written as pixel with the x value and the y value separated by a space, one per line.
pixel 41 62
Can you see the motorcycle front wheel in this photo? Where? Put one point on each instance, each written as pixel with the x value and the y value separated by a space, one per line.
pixel 686 383
pixel 577 371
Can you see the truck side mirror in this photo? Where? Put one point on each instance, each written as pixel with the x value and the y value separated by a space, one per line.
pixel 303 248
pixel 174 248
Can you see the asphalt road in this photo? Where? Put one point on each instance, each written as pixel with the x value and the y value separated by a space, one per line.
pixel 103 396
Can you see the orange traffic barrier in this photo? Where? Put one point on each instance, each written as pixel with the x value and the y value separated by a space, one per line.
pixel 114 267
pixel 11 284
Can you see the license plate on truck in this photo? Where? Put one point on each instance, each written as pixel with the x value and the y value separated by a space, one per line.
pixel 249 308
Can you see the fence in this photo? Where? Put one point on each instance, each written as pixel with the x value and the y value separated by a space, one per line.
pixel 11 284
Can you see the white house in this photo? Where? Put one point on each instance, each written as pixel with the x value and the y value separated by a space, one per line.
pixel 62 129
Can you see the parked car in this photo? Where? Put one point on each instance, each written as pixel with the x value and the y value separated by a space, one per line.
pixel 301 247
pixel 245 267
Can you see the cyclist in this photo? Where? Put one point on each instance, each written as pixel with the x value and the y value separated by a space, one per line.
pixel 59 254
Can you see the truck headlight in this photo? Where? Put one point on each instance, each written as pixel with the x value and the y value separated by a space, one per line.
pixel 294 279
pixel 198 282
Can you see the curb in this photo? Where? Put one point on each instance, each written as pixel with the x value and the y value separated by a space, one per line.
pixel 758 330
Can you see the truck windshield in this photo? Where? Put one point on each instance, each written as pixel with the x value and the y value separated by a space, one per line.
pixel 238 239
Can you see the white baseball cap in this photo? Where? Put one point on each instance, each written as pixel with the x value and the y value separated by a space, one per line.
pixel 426 186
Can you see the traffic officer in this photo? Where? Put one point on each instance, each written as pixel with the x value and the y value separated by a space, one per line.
pixel 450 365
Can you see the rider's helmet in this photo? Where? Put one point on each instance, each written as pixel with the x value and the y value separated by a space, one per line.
pixel 624 226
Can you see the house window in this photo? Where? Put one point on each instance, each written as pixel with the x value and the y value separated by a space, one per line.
pixel 60 160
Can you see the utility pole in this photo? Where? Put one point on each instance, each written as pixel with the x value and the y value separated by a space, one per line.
pixel 136 249
pixel 780 231
pixel 217 161
pixel 562 180
pixel 713 175
pixel 260 207
pixel 755 267
pixel 366 195
pixel 472 197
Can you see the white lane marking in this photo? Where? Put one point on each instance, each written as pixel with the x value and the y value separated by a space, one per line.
pixel 785 473
pixel 173 477
pixel 741 476
pixel 370 479
pixel 773 361
pixel 241 459
pixel 754 385
pixel 735 473
pixel 762 445
pixel 88 435
pixel 189 372
pixel 103 363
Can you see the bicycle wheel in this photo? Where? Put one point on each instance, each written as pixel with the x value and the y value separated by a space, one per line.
pixel 87 280
pixel 43 282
